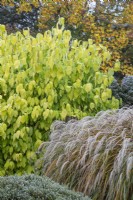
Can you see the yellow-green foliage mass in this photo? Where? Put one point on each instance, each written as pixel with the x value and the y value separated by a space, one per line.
pixel 110 23
pixel 42 79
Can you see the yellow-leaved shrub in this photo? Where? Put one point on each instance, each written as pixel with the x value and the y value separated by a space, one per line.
pixel 42 79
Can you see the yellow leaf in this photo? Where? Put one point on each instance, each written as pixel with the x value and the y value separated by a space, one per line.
pixel 88 87
pixel 46 113
pixel 63 114
pixel 68 70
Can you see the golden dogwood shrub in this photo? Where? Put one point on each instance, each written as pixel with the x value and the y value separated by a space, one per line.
pixel 42 79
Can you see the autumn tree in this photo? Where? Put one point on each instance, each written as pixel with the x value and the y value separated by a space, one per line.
pixel 113 26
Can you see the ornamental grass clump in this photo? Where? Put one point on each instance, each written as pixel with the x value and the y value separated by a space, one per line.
pixel 94 155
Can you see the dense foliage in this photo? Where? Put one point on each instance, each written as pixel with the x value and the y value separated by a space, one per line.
pixel 107 22
pixel 93 155
pixel 42 79
pixel 35 188
pixel 123 90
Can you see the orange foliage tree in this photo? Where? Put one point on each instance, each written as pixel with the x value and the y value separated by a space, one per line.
pixel 108 22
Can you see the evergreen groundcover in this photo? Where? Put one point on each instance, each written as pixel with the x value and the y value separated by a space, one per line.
pixel 33 187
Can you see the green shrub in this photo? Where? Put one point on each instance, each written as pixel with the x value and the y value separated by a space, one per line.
pixel 123 90
pixel 31 187
pixel 93 155
pixel 42 79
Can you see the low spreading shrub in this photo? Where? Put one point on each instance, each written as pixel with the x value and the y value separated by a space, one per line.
pixel 93 155
pixel 42 79
pixel 31 187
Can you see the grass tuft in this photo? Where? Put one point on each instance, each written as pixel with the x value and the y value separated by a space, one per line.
pixel 93 155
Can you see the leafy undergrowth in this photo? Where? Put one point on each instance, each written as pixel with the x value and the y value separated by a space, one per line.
pixel 32 187
pixel 93 155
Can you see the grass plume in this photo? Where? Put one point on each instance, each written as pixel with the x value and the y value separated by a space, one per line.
pixel 93 155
